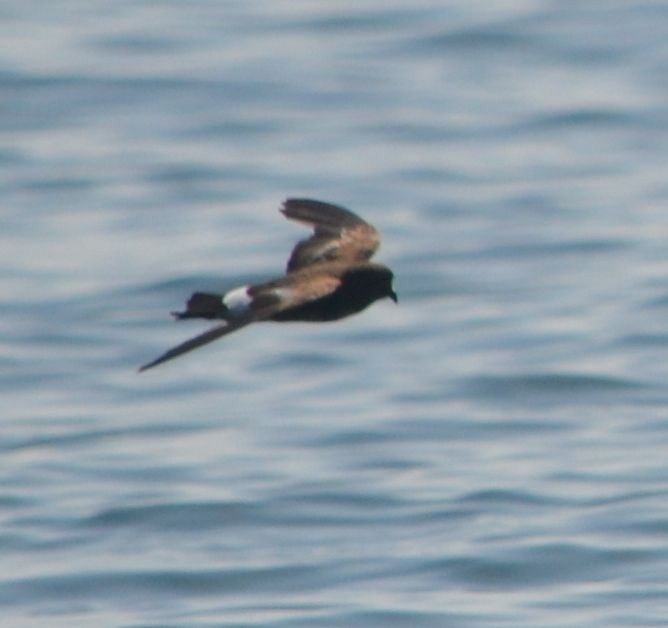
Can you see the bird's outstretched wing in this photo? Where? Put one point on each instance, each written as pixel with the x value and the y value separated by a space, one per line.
pixel 198 341
pixel 268 300
pixel 338 234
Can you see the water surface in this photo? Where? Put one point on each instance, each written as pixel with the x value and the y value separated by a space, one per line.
pixel 491 452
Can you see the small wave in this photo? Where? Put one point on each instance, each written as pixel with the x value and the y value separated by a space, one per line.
pixel 537 565
pixel 556 386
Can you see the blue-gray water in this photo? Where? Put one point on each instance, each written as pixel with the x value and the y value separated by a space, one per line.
pixel 491 452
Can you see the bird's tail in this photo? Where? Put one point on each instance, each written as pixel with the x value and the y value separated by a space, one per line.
pixel 203 305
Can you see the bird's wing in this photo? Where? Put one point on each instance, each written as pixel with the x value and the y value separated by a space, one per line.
pixel 338 234
pixel 293 290
pixel 269 299
pixel 198 341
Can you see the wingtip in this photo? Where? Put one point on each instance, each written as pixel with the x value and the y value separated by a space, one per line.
pixel 150 365
pixel 291 201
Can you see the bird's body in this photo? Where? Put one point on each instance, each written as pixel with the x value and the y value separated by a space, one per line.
pixel 328 277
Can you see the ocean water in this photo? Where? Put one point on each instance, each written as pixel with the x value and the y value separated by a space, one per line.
pixel 490 452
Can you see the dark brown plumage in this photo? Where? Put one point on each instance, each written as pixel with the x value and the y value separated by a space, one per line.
pixel 328 277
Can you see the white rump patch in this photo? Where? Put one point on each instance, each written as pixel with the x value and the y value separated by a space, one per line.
pixel 237 301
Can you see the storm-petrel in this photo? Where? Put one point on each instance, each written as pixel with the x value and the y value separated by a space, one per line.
pixel 328 277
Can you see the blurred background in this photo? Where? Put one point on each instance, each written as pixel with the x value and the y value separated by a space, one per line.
pixel 490 452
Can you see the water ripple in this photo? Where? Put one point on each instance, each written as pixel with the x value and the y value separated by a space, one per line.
pixel 490 452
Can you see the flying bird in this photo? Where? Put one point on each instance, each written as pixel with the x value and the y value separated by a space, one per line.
pixel 328 277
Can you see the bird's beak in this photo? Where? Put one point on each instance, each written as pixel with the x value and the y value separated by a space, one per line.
pixel 393 296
